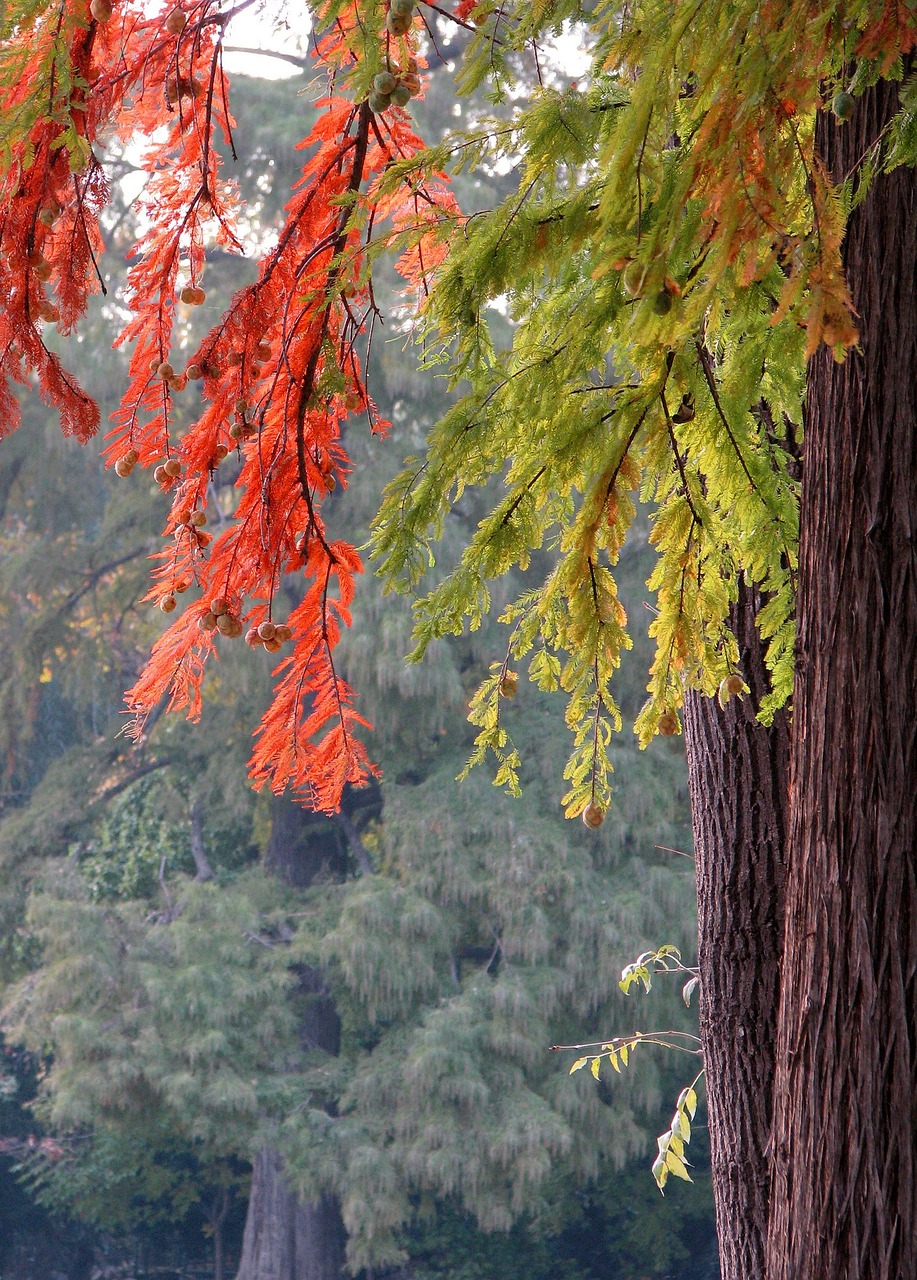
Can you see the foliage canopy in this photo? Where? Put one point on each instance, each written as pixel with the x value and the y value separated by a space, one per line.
pixel 668 259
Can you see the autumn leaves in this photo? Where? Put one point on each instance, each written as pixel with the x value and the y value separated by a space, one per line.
pixel 278 375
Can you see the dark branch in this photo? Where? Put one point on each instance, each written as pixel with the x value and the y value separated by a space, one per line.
pixel 293 58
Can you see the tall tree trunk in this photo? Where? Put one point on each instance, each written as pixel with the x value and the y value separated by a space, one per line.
pixel 302 845
pixel 285 1238
pixel 218 1263
pixel 204 871
pixel 737 774
pixel 844 1197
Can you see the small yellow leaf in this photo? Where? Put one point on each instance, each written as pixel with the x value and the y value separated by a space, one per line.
pixel 677 1166
pixel 687 1101
pixel 681 1125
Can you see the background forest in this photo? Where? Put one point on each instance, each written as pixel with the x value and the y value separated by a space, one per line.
pixel 196 978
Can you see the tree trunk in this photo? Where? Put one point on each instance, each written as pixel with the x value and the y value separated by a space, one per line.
pixel 302 845
pixel 285 1238
pixel 844 1196
pixel 737 774
pixel 217 1219
pixel 218 1251
pixel 204 871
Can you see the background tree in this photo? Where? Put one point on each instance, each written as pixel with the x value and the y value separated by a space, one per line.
pixel 480 954
pixel 441 887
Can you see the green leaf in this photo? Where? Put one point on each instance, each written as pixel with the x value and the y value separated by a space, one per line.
pixel 578 1065
pixel 594 1067
pixel 544 671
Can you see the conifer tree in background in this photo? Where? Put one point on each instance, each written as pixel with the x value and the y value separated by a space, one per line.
pixel 566 915
pixel 672 257
pixel 434 869
pixel 451 869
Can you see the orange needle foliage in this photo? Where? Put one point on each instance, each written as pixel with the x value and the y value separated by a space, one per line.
pixel 280 371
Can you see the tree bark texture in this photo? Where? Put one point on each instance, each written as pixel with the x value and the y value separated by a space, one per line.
pixel 844 1196
pixel 286 1238
pixel 737 774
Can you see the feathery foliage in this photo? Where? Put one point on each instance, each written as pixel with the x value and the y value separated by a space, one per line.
pixel 669 260
pixel 668 257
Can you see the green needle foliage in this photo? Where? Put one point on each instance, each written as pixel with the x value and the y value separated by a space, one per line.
pixel 484 934
pixel 669 259
pixel 184 1017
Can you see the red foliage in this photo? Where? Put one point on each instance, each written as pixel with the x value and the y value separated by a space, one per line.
pixel 280 371
pixel 50 197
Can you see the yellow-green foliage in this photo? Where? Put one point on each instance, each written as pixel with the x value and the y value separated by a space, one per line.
pixel 55 92
pixel 670 258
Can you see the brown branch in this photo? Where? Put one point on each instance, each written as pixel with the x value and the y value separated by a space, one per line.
pixel 134 776
pixel 92 577
pixel 302 63
pixel 360 144
pixel 644 1037
pixel 678 459
pixel 707 369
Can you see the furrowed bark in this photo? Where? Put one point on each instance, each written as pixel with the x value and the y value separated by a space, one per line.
pixel 844 1197
pixel 286 1239
pixel 737 772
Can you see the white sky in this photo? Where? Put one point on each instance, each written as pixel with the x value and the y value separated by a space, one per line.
pixel 257 29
